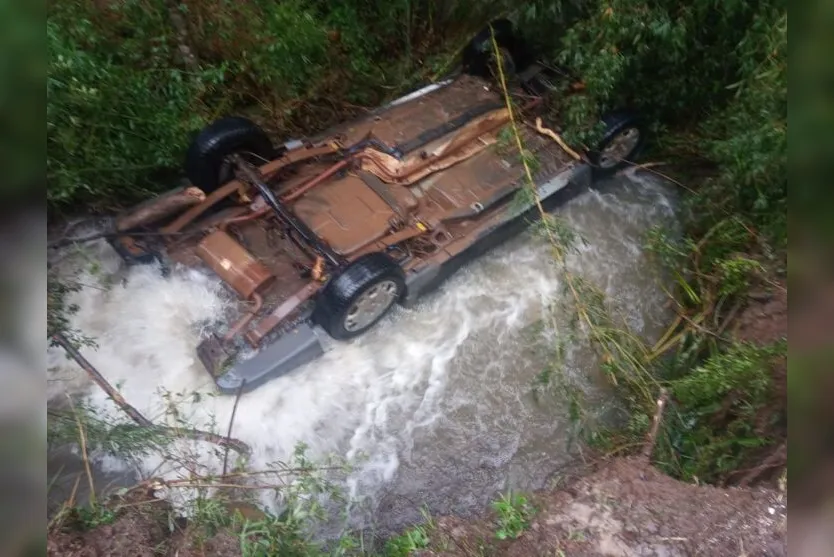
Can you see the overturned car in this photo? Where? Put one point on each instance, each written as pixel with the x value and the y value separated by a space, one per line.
pixel 323 236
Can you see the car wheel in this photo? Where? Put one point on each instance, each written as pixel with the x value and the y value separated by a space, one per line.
pixel 205 162
pixel 622 141
pixel 479 55
pixel 359 296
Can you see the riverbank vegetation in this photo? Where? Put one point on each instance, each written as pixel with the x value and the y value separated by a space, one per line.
pixel 130 81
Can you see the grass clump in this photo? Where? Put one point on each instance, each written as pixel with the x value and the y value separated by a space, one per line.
pixel 408 542
pixel 732 164
pixel 513 514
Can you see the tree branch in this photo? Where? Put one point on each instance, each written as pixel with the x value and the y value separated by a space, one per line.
pixel 193 434
pixel 651 438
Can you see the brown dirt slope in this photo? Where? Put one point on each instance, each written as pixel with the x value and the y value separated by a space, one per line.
pixel 624 508
pixel 627 508
pixel 144 527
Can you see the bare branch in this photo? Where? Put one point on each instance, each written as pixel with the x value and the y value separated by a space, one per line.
pixel 231 423
pixel 193 434
pixel 651 438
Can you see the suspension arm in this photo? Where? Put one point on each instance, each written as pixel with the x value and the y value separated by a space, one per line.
pixel 285 216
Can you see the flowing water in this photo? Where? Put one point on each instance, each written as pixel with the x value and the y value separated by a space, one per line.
pixel 435 404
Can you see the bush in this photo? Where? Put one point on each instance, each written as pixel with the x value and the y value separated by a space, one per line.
pixel 118 107
pixel 714 73
pixel 718 425
pixel 122 103
pixel 711 78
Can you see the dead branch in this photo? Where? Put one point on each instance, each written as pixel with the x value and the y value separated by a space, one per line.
pixel 779 457
pixel 555 137
pixel 160 207
pixel 729 319
pixel 99 379
pixel 84 457
pixel 651 438
pixel 100 235
pixel 192 434
pixel 231 423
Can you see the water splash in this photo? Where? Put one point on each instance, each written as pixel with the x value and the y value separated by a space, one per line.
pixel 435 399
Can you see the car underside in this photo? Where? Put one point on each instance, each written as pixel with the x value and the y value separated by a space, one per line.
pixel 324 236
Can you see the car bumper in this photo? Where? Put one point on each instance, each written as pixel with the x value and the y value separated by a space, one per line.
pixel 292 349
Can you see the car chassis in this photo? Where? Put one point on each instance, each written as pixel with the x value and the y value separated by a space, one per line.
pixel 323 236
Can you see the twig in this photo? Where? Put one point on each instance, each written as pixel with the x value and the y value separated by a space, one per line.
pixel 59 517
pixel 696 325
pixel 669 331
pixel 100 235
pixel 71 500
pixel 648 166
pixel 558 250
pixel 777 458
pixel 84 457
pixel 202 484
pixel 231 423
pixel 99 379
pixel 54 479
pixel 192 434
pixel 555 137
pixel 730 316
pixel 651 439
pixel 283 471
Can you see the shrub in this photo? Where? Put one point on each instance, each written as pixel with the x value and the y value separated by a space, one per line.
pixel 118 108
pixel 721 403
pixel 514 513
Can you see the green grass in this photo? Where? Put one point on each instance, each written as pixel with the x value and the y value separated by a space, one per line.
pixel 513 514
pixel 405 544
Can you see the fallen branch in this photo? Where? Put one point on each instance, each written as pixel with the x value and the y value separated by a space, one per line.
pixel 101 235
pixel 84 458
pixel 729 319
pixel 778 458
pixel 160 207
pixel 192 434
pixel 555 137
pixel 651 438
pixel 231 423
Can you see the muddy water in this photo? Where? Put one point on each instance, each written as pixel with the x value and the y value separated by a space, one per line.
pixel 435 405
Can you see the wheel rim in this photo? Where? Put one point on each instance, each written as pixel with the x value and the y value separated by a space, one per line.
pixel 370 305
pixel 619 148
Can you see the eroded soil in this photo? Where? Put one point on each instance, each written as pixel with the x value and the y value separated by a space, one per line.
pixel 624 508
pixel 144 527
pixel 627 508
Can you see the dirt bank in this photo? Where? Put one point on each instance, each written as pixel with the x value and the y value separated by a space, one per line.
pixel 627 508
pixel 141 526
pixel 623 508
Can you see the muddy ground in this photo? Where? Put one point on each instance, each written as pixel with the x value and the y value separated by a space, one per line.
pixel 144 527
pixel 629 508
pixel 623 508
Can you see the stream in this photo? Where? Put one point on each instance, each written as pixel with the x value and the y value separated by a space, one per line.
pixel 435 405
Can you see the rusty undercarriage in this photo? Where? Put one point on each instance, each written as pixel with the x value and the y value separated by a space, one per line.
pixel 326 235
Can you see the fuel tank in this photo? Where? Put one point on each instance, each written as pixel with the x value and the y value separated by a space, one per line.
pixel 233 263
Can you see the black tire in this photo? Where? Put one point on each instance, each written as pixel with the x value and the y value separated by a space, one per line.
pixel 205 162
pixel 478 54
pixel 339 295
pixel 618 125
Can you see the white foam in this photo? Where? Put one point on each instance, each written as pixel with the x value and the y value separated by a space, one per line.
pixel 370 397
